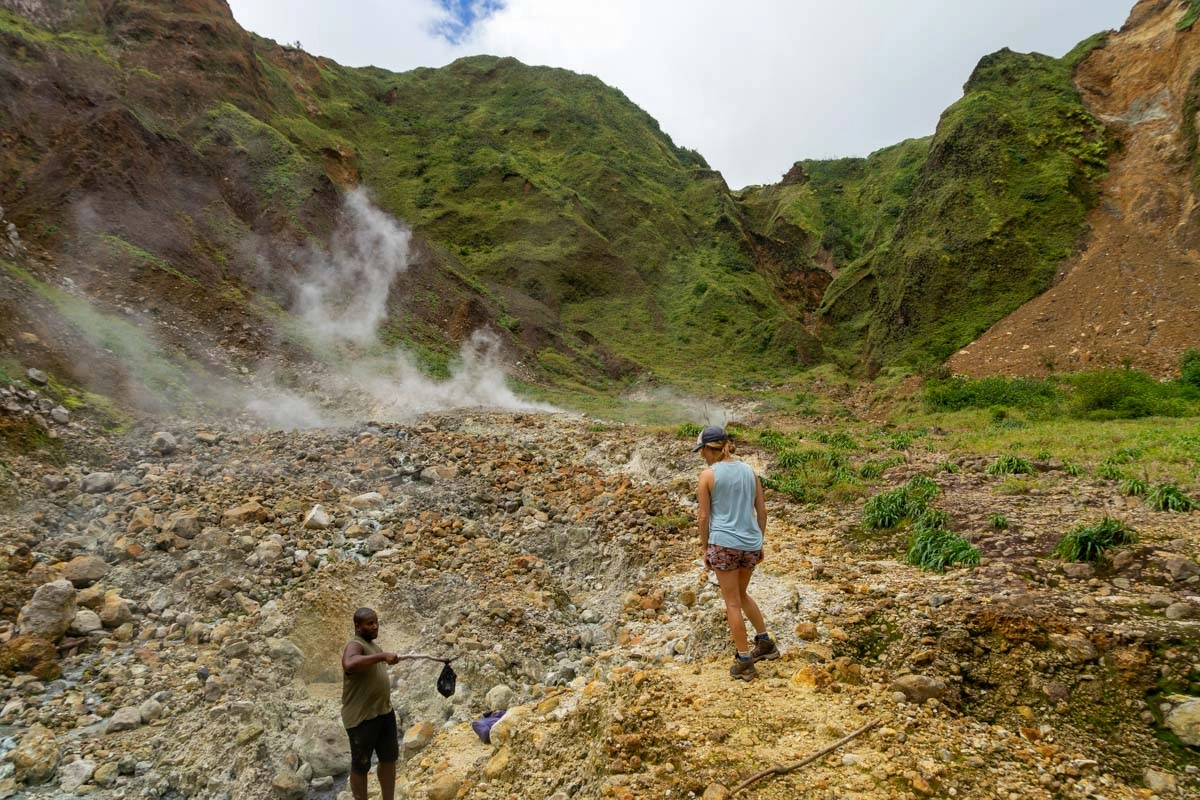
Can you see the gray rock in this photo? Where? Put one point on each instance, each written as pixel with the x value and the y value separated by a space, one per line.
pixel 1158 781
pixel 86 621
pixel 75 774
pixel 183 524
pixel 1177 611
pixel 60 415
pixel 499 698
pixel 36 376
pixel 284 651
pixel 50 612
pixel 55 482
pixel 322 744
pixel 317 518
pixel 919 688
pixel 368 500
pixel 150 710
pixel 98 482
pixel 1077 647
pixel 83 571
pixel 376 543
pixel 1078 571
pixel 287 785
pixel 163 443
pixel 125 719
pixel 1184 721
pixel 1181 568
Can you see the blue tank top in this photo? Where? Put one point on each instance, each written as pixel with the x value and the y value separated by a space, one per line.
pixel 732 521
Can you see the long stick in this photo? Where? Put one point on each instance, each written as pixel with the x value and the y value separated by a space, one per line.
pixel 411 656
pixel 783 769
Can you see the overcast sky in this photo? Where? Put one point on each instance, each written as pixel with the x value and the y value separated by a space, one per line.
pixel 753 85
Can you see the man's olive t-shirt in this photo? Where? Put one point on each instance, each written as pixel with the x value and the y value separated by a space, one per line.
pixel 367 693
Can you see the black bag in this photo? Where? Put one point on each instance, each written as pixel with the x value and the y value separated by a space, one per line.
pixel 447 681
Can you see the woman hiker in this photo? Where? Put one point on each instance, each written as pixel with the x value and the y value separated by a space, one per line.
pixel 732 517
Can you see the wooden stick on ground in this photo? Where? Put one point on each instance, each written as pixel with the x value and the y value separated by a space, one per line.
pixel 783 769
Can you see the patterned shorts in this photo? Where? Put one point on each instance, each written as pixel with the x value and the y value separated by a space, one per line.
pixel 727 558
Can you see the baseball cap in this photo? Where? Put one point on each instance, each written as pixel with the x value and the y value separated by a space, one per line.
pixel 710 435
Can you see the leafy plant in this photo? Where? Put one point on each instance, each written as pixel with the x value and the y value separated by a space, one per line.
pixel 837 441
pixel 1109 471
pixel 1072 469
pixel 1088 542
pixel 688 430
pixel 998 521
pixel 948 466
pixel 886 509
pixel 1009 464
pixel 1168 497
pixel 1134 487
pixel 922 489
pixel 876 467
pixel 937 549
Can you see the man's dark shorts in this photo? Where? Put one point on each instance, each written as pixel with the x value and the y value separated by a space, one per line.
pixel 727 558
pixel 377 735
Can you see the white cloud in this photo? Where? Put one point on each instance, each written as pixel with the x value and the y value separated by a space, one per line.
pixel 753 86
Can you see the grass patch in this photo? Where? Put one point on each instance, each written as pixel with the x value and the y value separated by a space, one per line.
pixel 998 522
pixel 938 549
pixel 1009 464
pixel 958 393
pixel 1088 542
pixel 1168 497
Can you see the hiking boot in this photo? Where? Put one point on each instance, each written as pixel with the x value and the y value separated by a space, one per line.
pixel 764 650
pixel 743 670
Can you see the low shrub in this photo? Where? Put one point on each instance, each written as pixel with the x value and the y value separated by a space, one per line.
pixel 937 549
pixel 1127 394
pixel 1009 464
pixel 1189 368
pixel 689 430
pixel 1088 542
pixel 1168 497
pixel 960 393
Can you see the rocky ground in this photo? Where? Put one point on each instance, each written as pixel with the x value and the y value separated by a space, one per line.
pixel 174 599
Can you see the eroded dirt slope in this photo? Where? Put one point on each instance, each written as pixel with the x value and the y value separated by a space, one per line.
pixel 1133 293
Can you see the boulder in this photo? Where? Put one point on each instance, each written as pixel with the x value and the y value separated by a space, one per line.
pixel 368 500
pixel 1184 721
pixel 115 610
pixel 36 376
pixel 1076 647
pixel 30 654
pixel 75 774
pixel 418 736
pixel 98 482
pixel 244 514
pixel 183 524
pixel 49 613
pixel 317 518
pixel 86 621
pixel 919 688
pixel 499 698
pixel 125 719
pixel 444 788
pixel 83 571
pixel 36 756
pixel 284 651
pixel 287 785
pixel 163 443
pixel 1181 567
pixel 322 744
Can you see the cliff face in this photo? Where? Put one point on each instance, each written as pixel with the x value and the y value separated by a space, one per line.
pixel 1132 295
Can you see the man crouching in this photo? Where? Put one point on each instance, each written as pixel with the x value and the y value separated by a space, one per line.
pixel 367 707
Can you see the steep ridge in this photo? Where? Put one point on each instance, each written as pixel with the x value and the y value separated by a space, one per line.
pixel 1133 294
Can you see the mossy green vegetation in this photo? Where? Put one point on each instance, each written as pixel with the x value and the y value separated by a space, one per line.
pixel 998 203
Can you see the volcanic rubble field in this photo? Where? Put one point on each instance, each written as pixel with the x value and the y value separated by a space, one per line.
pixel 193 603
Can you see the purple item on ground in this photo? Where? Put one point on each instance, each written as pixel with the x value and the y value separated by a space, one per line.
pixel 483 725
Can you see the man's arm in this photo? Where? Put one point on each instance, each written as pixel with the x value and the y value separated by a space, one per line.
pixel 354 659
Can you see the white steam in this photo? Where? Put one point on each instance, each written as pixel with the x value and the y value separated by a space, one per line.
pixel 344 294
pixel 342 302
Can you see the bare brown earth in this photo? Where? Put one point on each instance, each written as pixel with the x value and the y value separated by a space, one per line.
pixel 1132 295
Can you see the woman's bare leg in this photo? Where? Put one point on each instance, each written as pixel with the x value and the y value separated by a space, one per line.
pixel 731 593
pixel 748 604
